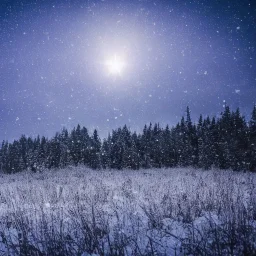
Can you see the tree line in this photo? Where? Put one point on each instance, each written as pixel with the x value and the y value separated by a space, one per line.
pixel 224 142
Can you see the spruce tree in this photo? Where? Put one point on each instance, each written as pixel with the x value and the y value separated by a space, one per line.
pixel 85 146
pixel 106 153
pixel 95 151
pixel 252 137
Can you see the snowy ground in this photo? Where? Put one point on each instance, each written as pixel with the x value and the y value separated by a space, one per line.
pixel 78 211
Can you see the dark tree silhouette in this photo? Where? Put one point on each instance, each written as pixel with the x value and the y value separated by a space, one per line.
pixel 224 142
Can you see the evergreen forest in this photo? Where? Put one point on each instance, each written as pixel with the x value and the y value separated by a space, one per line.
pixel 226 142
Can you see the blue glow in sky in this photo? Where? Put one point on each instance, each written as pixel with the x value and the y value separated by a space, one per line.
pixel 53 58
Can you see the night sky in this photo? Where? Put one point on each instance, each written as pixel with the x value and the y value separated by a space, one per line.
pixel 54 55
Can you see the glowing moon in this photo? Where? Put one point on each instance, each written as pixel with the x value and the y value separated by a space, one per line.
pixel 115 65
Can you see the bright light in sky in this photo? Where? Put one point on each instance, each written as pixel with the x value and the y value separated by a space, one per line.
pixel 115 65
pixel 133 56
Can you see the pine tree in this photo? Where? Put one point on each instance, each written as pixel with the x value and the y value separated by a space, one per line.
pixel 31 154
pixel 131 156
pixel 95 151
pixel 252 137
pixel 200 136
pixel 24 150
pixel 73 147
pixel 239 141
pixel 168 148
pixel 145 146
pixel 135 155
pixel 42 156
pixel 106 153
pixel 225 130
pixel 180 142
pixel 63 139
pixel 126 140
pixel 55 152
pixel 5 159
pixel 85 139
pixel 205 145
pixel 16 163
pixel 187 141
pixel 156 152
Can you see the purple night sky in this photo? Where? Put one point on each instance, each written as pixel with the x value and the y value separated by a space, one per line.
pixel 53 62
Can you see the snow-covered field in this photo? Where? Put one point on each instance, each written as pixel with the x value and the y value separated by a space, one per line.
pixel 78 211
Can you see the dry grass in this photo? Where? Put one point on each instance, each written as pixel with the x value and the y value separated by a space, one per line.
pixel 146 212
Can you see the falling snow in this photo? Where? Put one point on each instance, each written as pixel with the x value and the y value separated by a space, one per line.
pixel 52 62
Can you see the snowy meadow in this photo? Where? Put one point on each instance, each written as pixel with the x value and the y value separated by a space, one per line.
pixel 78 211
